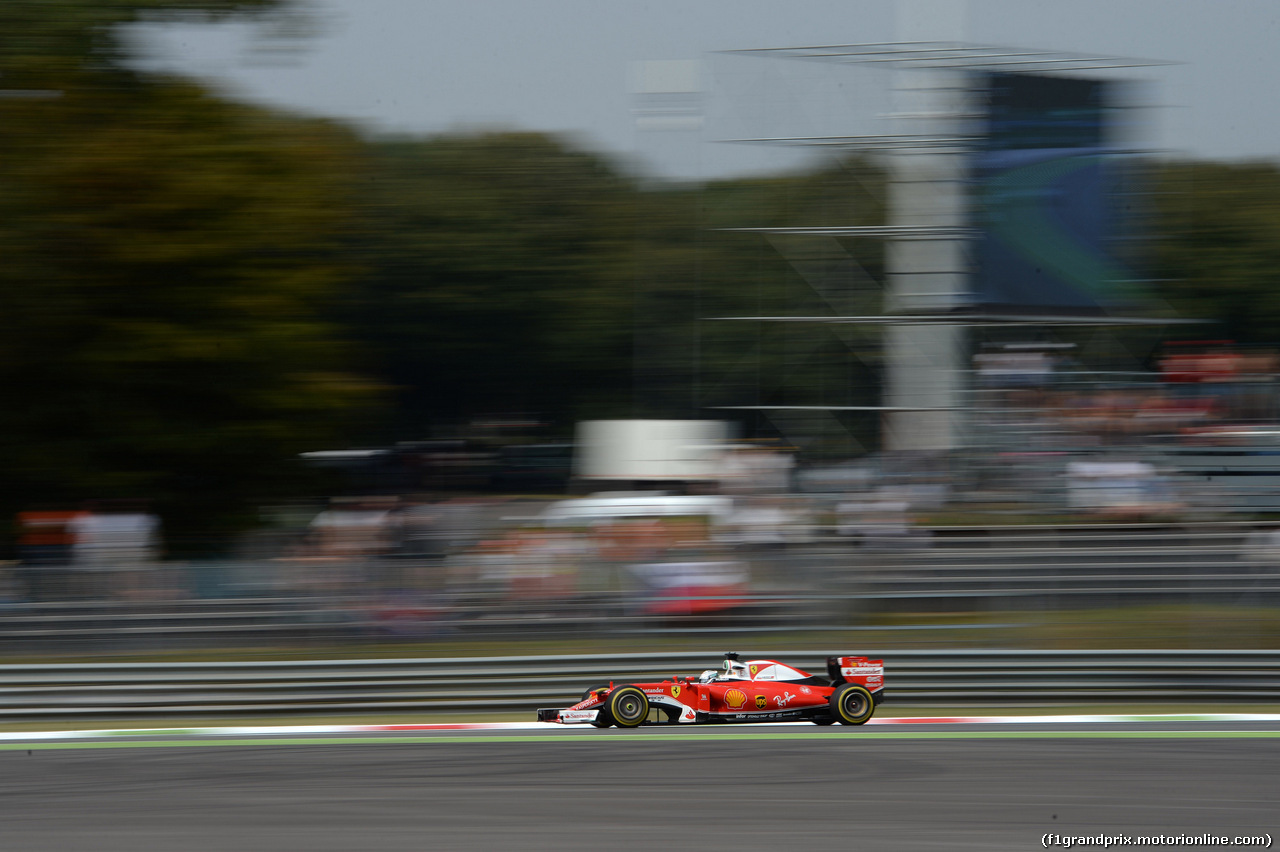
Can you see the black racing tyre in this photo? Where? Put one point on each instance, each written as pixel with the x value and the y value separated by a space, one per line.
pixel 590 689
pixel 628 706
pixel 602 719
pixel 852 704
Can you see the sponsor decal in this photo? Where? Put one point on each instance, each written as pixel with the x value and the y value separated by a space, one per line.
pixel 675 691
pixel 783 699
pixel 862 670
pixel 735 698
pixel 780 716
pixel 806 690
pixel 761 702
pixel 754 670
pixel 577 715
pixel 655 690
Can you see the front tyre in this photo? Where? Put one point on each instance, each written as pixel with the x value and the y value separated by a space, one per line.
pixel 852 704
pixel 627 706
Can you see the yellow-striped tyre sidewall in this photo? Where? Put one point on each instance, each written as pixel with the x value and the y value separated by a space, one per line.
pixel 628 706
pixel 852 704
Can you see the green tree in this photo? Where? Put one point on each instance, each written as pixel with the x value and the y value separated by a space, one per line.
pixel 1217 246
pixel 167 259
pixel 53 43
pixel 498 272
pixel 510 272
pixel 700 260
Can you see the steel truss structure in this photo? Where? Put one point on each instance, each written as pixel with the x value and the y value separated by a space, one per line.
pixel 930 224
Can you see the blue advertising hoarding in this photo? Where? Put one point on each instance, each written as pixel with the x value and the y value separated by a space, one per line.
pixel 1044 178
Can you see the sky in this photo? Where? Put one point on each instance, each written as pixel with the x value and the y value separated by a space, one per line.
pixel 570 67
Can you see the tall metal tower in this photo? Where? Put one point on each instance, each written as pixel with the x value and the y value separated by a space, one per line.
pixel 929 301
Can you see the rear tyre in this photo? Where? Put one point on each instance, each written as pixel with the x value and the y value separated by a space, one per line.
pixel 852 704
pixel 628 706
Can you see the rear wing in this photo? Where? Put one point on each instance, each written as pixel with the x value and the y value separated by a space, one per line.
pixel 868 672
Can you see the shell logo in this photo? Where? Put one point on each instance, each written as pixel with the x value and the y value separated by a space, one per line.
pixel 735 698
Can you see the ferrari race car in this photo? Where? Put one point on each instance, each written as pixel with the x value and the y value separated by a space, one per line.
pixel 754 691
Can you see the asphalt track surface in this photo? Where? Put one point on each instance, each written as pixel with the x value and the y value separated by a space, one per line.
pixel 740 788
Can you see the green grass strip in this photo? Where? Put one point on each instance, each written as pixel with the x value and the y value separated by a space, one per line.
pixel 849 737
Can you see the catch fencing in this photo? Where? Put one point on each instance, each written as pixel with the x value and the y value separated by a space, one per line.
pixel 518 685
pixel 822 583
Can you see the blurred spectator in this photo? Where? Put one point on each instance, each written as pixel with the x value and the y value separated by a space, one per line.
pixel 696 584
pixel 1119 489
pixel 114 545
pixel 544 564
pixel 420 530
pixel 45 540
pixel 877 523
pixel 760 522
pixel 525 565
pixel 755 470
pixel 349 536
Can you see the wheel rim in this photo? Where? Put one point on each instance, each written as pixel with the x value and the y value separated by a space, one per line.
pixel 628 708
pixel 854 704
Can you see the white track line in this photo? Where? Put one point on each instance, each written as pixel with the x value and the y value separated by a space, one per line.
pixel 288 730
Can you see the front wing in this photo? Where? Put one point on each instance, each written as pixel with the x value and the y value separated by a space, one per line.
pixel 586 712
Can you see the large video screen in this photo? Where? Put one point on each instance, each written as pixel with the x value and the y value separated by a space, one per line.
pixel 1043 186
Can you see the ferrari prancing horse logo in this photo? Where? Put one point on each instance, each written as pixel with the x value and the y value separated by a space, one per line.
pixel 675 691
pixel 761 702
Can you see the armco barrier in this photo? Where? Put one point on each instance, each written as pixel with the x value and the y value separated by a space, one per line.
pixel 519 684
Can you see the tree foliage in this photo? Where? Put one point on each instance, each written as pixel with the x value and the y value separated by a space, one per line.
pixel 46 43
pixel 513 273
pixel 193 291
pixel 1217 248
pixel 497 269
pixel 168 256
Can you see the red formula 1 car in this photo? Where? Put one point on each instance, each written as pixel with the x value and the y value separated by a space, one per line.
pixel 754 691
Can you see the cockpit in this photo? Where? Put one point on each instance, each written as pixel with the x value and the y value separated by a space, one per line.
pixel 731 670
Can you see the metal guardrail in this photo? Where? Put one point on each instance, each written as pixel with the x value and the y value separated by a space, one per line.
pixel 1130 562
pixel 520 684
